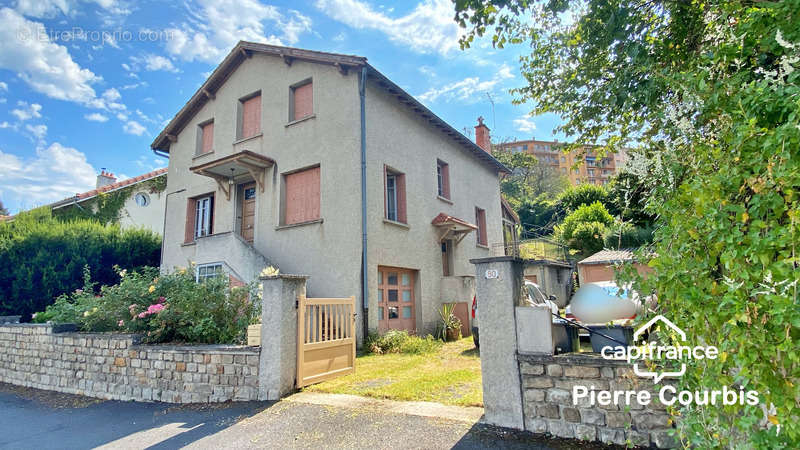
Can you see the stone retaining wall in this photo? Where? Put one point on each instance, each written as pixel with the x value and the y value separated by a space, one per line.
pixel 116 366
pixel 548 407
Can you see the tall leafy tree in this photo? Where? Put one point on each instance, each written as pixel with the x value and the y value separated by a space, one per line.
pixel 3 209
pixel 710 90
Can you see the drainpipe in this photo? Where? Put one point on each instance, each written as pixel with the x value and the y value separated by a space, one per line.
pixel 161 153
pixel 362 86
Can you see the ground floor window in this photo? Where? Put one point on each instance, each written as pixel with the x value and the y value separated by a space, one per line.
pixel 206 271
pixel 396 302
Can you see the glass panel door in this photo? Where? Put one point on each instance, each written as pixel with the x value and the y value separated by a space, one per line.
pixel 396 302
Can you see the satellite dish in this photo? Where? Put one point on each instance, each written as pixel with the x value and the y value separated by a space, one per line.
pixel 604 302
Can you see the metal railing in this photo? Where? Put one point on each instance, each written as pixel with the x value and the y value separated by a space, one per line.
pixel 537 248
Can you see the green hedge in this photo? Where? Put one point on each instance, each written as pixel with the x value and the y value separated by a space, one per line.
pixel 42 257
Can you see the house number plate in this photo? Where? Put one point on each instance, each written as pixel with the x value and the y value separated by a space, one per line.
pixel 492 274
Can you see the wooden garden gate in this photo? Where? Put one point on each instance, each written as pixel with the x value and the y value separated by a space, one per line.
pixel 326 338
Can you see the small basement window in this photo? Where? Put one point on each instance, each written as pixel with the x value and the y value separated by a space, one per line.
pixel 207 271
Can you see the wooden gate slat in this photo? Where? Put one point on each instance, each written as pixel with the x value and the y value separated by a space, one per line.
pixel 326 331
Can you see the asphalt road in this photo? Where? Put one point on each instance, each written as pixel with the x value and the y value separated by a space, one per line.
pixel 31 419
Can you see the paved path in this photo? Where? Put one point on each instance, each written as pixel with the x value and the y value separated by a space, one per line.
pixel 31 419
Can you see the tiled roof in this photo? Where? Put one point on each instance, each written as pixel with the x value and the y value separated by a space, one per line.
pixel 120 184
pixel 608 256
pixel 443 219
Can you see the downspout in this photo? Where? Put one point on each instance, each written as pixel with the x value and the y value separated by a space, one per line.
pixel 161 153
pixel 362 86
pixel 164 154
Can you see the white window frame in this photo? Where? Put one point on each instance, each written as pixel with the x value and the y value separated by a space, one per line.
pixel 391 197
pixel 203 216
pixel 217 271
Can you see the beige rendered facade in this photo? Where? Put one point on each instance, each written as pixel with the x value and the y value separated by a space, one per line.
pixel 290 195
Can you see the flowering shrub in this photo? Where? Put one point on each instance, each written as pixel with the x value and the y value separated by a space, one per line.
pixel 164 308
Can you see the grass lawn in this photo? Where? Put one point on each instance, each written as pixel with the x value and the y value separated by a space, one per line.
pixel 451 376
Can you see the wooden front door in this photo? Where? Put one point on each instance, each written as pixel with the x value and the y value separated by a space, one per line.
pixel 396 302
pixel 248 211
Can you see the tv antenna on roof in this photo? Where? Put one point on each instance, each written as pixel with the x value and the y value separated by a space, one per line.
pixel 494 119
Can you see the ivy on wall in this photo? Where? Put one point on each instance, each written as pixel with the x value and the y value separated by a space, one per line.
pixel 107 207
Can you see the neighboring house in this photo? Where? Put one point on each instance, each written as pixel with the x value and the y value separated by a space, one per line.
pixel 600 266
pixel 318 164
pixel 142 200
pixel 580 166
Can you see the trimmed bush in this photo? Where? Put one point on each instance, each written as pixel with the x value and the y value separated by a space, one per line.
pixel 627 236
pixel 42 257
pixel 583 194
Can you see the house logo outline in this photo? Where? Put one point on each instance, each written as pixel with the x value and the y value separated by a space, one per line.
pixel 656 375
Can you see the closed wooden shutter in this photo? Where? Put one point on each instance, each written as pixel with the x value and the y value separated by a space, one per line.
pixel 480 218
pixel 191 211
pixel 303 101
pixel 302 196
pixel 251 117
pixel 207 138
pixel 445 180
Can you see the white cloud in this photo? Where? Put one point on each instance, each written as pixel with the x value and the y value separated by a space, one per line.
pixel 428 28
pixel 3 86
pixel 151 62
pixel 45 66
pixel 467 90
pixel 51 8
pixel 112 94
pixel 525 124
pixel 38 131
pixel 134 127
pixel 4 124
pixel 96 117
pixel 54 173
pixel 26 111
pixel 220 24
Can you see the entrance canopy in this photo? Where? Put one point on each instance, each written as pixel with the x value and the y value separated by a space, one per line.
pixel 452 227
pixel 225 170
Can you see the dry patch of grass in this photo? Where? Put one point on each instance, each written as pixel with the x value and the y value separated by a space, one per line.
pixel 451 376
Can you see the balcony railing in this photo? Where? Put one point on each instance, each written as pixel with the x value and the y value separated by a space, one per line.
pixel 538 248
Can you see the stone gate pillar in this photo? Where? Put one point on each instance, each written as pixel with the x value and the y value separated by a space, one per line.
pixel 278 361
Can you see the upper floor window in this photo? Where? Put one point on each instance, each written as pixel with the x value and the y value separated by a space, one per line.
pixel 249 116
pixel 395 188
pixel 443 179
pixel 301 196
pixel 480 220
pixel 205 137
pixel 301 103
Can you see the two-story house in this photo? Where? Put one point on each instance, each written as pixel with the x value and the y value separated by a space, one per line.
pixel 318 164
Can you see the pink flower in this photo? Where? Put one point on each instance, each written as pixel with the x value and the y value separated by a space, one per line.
pixel 162 299
pixel 142 315
pixel 120 323
pixel 154 309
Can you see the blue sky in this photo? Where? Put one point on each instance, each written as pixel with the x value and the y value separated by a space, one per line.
pixel 87 84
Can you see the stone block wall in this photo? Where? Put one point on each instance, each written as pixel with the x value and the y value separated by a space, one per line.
pixel 116 366
pixel 548 406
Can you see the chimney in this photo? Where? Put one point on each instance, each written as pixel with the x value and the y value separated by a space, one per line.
pixel 105 178
pixel 482 137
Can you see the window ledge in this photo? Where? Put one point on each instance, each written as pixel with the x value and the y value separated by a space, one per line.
pixel 444 199
pixel 299 224
pixel 397 224
pixel 189 244
pixel 293 122
pixel 239 141
pixel 485 247
pixel 200 155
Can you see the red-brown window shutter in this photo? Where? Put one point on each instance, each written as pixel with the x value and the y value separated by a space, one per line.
pixel 446 180
pixel 480 218
pixel 191 210
pixel 207 138
pixel 401 198
pixel 303 101
pixel 302 196
pixel 251 117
